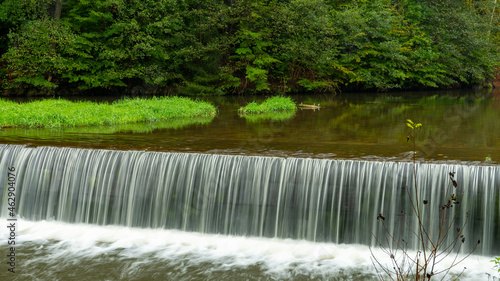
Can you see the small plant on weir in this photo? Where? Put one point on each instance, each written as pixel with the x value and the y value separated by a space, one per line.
pixel 496 261
pixel 436 227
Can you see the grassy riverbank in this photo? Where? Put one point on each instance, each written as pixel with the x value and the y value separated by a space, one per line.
pixel 52 113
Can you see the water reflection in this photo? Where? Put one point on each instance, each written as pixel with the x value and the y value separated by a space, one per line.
pixel 272 116
pixel 458 125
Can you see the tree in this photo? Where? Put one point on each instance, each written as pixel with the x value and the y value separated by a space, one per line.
pixel 40 55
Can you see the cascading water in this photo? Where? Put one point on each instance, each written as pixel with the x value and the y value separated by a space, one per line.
pixel 312 199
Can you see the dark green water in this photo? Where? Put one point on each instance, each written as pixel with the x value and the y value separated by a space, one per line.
pixel 457 125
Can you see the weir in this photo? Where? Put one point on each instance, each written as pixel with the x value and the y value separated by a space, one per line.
pixel 313 199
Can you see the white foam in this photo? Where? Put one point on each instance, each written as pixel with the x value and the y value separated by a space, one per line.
pixel 280 258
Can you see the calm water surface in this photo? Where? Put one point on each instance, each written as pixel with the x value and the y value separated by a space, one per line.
pixel 457 125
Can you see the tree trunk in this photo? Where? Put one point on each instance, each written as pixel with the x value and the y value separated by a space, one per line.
pixel 57 16
pixel 491 19
pixel 58 10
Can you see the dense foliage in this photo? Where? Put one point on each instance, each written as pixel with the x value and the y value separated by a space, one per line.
pixel 238 46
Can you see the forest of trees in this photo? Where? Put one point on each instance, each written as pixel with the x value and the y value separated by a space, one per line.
pixel 246 46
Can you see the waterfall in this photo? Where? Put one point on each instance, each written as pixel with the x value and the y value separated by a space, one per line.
pixel 313 199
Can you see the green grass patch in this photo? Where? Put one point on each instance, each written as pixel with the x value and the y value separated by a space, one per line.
pixel 56 113
pixel 276 108
pixel 275 104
